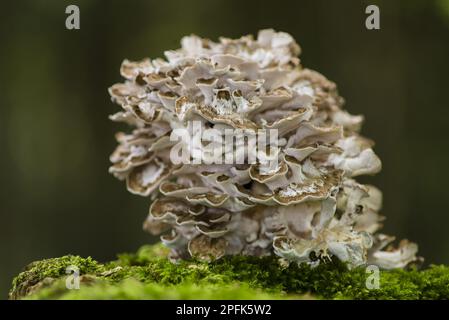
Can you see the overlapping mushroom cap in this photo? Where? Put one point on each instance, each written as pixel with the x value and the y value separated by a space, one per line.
pixel 305 208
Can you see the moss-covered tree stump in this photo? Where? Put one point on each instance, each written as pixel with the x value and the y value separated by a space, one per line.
pixel 149 275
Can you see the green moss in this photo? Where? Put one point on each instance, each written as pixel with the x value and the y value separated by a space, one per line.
pixel 133 289
pixel 41 273
pixel 147 274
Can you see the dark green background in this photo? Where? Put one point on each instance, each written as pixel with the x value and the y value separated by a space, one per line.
pixel 55 138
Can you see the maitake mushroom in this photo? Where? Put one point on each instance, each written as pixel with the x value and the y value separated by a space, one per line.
pixel 307 209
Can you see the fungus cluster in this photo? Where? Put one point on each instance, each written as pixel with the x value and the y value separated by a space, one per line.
pixel 308 208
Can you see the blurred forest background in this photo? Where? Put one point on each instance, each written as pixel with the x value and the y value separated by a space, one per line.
pixel 55 137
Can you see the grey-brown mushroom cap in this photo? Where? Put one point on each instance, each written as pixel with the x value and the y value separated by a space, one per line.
pixel 306 207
